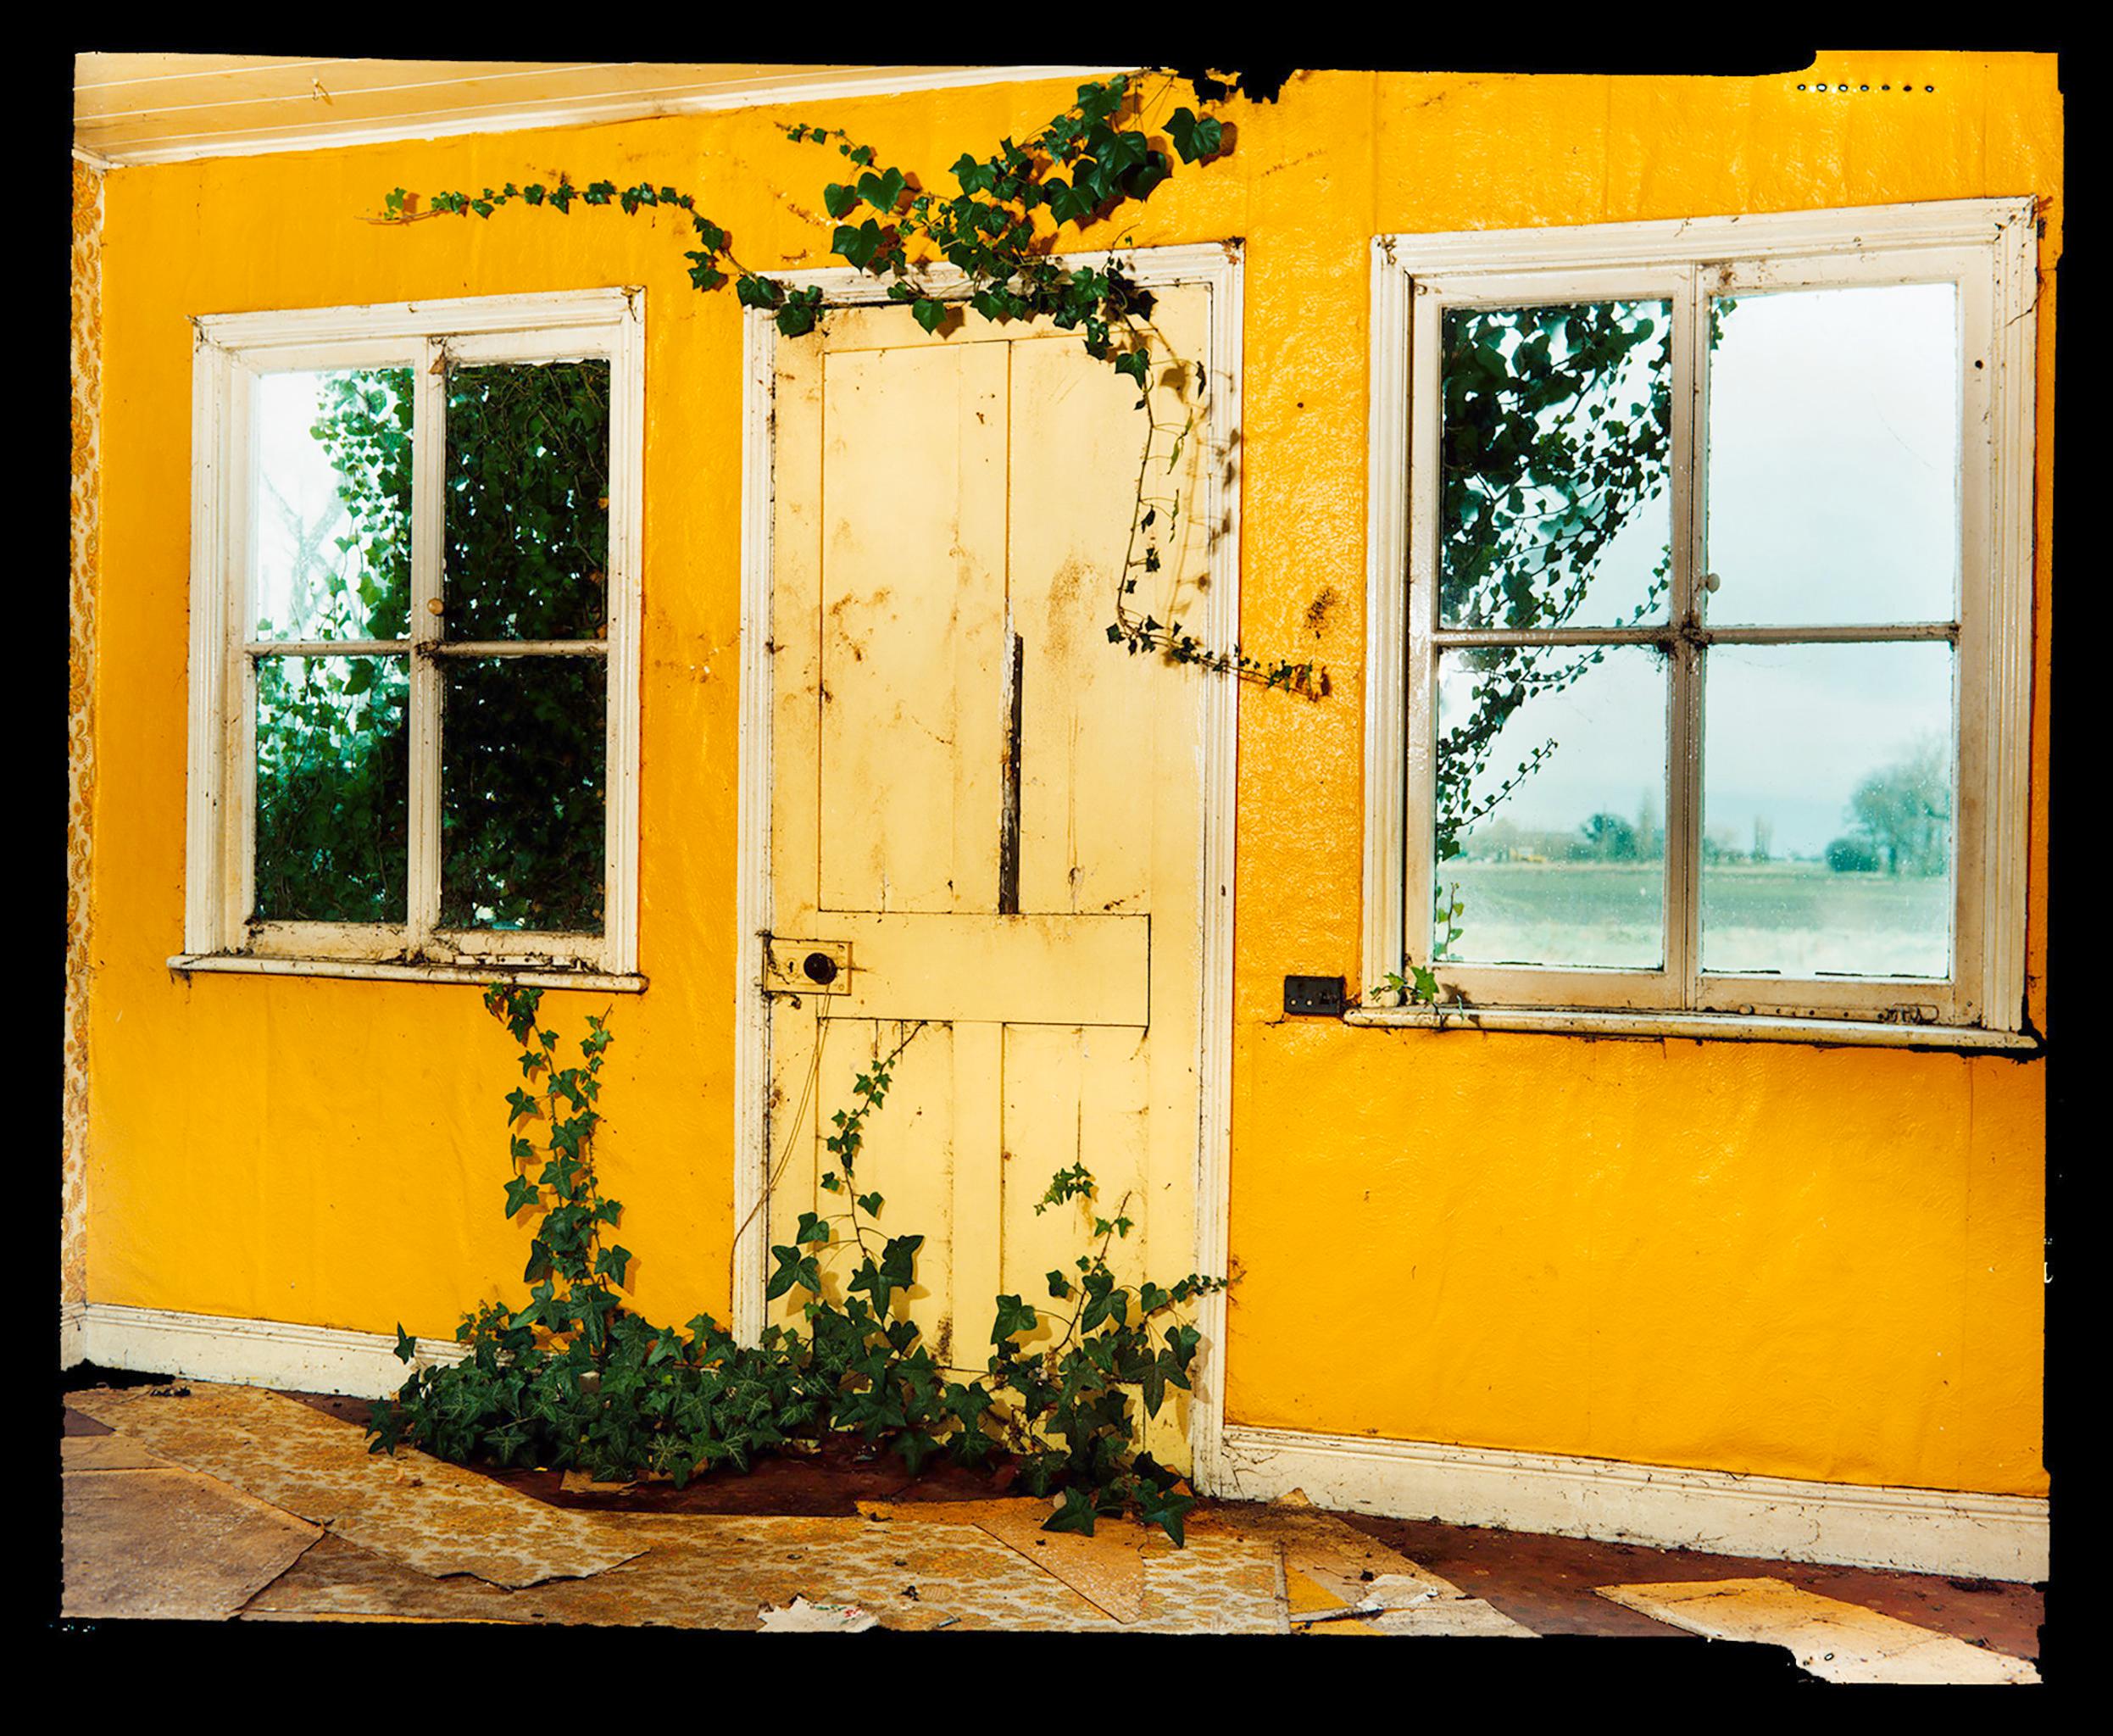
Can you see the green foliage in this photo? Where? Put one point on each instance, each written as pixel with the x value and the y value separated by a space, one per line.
pixel 1853 855
pixel 524 771
pixel 1000 231
pixel 1903 816
pixel 333 759
pixel 1556 434
pixel 1545 461
pixel 1607 838
pixel 576 1378
pixel 525 522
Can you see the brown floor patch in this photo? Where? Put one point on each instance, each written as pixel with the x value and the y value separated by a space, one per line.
pixel 435 1517
pixel 1836 1641
pixel 78 1422
pixel 1549 1582
pixel 170 1544
pixel 827 1482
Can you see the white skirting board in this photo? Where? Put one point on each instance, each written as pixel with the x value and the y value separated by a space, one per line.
pixel 1914 1530
pixel 253 1353
pixel 69 1350
pixel 1917 1530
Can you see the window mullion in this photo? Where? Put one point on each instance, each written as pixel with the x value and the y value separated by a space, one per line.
pixel 1683 759
pixel 428 455
pixel 1420 792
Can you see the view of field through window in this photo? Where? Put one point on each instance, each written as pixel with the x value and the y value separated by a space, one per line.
pixel 1831 473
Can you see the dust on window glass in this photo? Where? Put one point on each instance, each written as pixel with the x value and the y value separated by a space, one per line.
pixel 1550 815
pixel 524 794
pixel 1555 507
pixel 333 789
pixel 1828 795
pixel 527 501
pixel 331 520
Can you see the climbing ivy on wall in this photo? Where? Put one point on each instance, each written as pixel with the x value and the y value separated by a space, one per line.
pixel 574 1376
pixel 1097 159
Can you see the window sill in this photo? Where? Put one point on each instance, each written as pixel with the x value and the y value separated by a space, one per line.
pixel 1736 1028
pixel 237 964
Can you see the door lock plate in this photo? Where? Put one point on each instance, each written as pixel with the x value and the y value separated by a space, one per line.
pixel 806 966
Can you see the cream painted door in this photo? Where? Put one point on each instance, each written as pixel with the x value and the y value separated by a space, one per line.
pixel 986 814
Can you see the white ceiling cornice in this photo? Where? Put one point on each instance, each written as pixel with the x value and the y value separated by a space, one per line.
pixel 137 108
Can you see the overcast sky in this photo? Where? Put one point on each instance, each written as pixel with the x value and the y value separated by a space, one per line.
pixel 1833 499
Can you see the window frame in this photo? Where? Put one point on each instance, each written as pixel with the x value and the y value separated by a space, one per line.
pixel 1987 248
pixel 231 351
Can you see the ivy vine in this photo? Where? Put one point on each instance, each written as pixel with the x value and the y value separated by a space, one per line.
pixel 576 1378
pixel 999 231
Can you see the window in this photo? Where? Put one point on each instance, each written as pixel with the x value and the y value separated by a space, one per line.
pixel 1700 606
pixel 414 629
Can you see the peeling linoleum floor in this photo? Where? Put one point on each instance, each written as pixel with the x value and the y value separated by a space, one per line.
pixel 233 1503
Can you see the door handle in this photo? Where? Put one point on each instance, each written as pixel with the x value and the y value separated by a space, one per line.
pixel 793 967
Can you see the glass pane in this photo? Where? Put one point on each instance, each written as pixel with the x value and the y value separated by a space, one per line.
pixel 333 507
pixel 1551 780
pixel 333 789
pixel 1833 484
pixel 1556 507
pixel 527 501
pixel 524 745
pixel 1828 803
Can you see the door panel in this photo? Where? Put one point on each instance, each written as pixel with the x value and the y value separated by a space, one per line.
pixel 989 813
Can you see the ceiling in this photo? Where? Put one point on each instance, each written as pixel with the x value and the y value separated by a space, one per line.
pixel 167 108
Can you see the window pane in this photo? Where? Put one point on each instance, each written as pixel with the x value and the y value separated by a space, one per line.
pixel 1551 780
pixel 523 756
pixel 1833 463
pixel 527 501
pixel 1555 507
pixel 333 781
pixel 1828 803
pixel 333 508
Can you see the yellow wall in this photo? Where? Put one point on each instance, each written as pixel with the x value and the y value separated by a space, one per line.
pixel 1763 1258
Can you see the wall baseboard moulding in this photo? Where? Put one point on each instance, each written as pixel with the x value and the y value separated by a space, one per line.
pixel 251 1352
pixel 1913 1530
pixel 69 1350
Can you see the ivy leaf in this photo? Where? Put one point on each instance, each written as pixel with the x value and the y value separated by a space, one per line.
pixel 792 1270
pixel 838 199
pixel 1165 1508
pixel 857 245
pixel 883 192
pixel 1014 1317
pixel 1076 1514
pixel 1195 138
pixel 929 314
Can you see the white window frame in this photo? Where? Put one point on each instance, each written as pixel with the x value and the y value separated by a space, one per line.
pixel 231 351
pixel 1989 248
